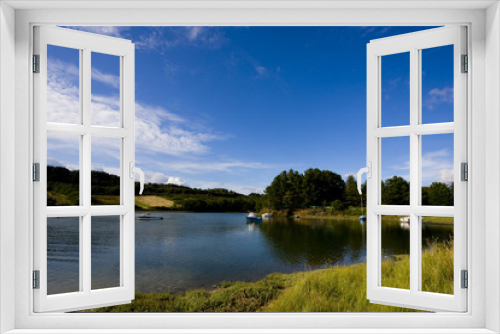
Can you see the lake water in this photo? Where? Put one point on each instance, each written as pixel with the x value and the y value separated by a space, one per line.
pixel 199 250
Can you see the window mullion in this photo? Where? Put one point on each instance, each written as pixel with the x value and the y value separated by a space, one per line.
pixel 85 245
pixel 414 170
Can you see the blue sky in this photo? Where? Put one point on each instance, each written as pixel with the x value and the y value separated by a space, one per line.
pixel 232 107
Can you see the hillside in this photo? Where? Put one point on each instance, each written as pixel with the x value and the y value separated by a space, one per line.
pixel 63 189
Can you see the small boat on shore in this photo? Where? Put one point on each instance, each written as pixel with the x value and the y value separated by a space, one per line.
pixel 405 219
pixel 147 216
pixel 252 218
pixel 267 215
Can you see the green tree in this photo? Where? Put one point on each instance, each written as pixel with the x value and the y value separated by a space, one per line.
pixel 440 194
pixel 396 191
pixel 285 192
pixel 351 192
pixel 321 186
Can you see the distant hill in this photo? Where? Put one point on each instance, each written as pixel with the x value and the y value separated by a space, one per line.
pixel 63 189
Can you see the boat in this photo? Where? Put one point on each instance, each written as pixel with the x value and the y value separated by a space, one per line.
pixel 405 219
pixel 362 219
pixel 267 215
pixel 147 216
pixel 252 218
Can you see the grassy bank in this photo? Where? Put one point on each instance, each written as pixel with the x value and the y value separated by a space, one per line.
pixel 351 213
pixel 338 289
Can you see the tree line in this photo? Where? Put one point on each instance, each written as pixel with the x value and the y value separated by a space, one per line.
pixel 288 191
pixel 323 188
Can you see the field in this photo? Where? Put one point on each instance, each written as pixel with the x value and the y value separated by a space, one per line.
pixel 147 202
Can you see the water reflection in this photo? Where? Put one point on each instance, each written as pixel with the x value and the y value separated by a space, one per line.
pixel 318 243
pixel 194 250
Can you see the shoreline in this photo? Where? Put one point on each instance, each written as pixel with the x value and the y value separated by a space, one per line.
pixel 335 289
pixel 312 214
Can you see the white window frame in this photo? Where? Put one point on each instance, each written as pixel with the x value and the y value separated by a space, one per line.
pixel 414 43
pixel 483 250
pixel 86 43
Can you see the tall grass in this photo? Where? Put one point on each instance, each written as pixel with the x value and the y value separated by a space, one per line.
pixel 337 289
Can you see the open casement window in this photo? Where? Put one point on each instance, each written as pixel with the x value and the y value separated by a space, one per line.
pixel 416 47
pixel 83 127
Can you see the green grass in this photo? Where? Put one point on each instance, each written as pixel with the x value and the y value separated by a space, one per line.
pixel 338 289
pixel 439 220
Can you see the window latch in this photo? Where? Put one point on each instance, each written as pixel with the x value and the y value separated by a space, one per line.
pixel 133 170
pixel 368 171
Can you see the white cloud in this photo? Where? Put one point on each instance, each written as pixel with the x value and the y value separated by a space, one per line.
pixel 161 39
pixel 208 166
pixel 159 134
pixel 156 177
pixel 346 175
pixel 438 96
pixel 261 70
pixel 152 41
pixel 175 180
pixel 437 166
pixel 151 134
pixel 446 175
pixel 106 78
pixel 194 32
pixel 239 188
pixel 103 30
pixel 51 161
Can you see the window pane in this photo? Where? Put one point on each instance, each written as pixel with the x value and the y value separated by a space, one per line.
pixel 437 84
pixel 437 170
pixel 63 85
pixel 395 170
pixel 63 164
pixel 63 255
pixel 395 252
pixel 106 171
pixel 105 106
pixel 105 252
pixel 395 92
pixel 437 254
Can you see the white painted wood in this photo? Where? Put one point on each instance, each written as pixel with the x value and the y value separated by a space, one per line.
pixel 7 166
pixel 492 157
pixel 84 129
pixel 86 298
pixel 248 4
pixel 414 43
pixel 471 322
pixel 418 129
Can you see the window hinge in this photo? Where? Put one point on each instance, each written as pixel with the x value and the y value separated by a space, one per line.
pixel 464 172
pixel 465 279
pixel 465 64
pixel 36 279
pixel 36 172
pixel 36 63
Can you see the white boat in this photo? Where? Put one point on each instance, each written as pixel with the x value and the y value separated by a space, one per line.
pixel 147 216
pixel 252 218
pixel 267 215
pixel 405 219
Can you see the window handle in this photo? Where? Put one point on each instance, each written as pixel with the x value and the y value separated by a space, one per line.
pixel 368 171
pixel 135 170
